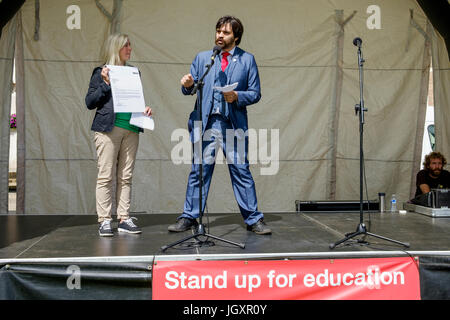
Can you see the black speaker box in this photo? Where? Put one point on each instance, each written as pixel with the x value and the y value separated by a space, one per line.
pixel 436 198
pixel 336 205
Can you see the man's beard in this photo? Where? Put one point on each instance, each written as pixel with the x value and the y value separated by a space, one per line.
pixel 225 44
pixel 435 173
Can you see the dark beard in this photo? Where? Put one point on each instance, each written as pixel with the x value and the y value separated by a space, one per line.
pixel 226 45
pixel 435 173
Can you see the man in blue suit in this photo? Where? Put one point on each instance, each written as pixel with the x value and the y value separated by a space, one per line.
pixel 224 122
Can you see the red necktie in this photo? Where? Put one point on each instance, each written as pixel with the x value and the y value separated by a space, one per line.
pixel 225 54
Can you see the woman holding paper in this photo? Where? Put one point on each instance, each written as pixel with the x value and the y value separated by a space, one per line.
pixel 116 141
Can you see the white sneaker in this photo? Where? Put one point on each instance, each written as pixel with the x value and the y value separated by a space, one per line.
pixel 104 230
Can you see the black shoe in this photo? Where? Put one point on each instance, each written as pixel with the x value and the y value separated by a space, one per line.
pixel 259 227
pixel 128 226
pixel 104 229
pixel 182 224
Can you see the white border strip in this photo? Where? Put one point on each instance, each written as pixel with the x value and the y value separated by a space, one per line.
pixel 193 257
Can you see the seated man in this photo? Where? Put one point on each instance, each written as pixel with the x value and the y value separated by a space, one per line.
pixel 432 176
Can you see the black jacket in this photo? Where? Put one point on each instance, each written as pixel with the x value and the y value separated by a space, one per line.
pixel 99 97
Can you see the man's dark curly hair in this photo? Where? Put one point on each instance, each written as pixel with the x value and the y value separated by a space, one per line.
pixel 434 155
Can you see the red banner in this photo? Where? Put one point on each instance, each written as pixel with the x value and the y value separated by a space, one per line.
pixel 337 279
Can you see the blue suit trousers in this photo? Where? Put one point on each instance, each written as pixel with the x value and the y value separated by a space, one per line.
pixel 215 138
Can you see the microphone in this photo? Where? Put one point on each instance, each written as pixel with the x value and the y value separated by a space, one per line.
pixel 216 51
pixel 357 42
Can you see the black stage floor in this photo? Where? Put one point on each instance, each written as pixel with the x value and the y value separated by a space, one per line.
pixel 64 236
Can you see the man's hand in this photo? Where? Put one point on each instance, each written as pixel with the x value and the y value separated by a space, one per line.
pixel 231 96
pixel 187 81
pixel 424 188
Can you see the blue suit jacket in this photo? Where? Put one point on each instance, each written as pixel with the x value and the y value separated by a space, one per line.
pixel 243 70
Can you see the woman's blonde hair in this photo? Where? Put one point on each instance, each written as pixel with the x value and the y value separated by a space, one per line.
pixel 113 44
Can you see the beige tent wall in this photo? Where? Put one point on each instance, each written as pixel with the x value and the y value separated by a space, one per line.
pixel 6 71
pixel 309 78
pixel 441 94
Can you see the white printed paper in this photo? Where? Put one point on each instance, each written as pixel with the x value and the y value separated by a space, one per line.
pixel 126 89
pixel 227 88
pixel 142 121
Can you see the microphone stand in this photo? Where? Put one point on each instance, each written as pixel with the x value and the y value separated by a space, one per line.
pixel 359 108
pixel 200 230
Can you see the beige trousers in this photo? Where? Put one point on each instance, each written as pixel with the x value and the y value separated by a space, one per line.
pixel 116 156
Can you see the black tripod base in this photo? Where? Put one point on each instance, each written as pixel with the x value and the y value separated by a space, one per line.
pixel 200 232
pixel 362 230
